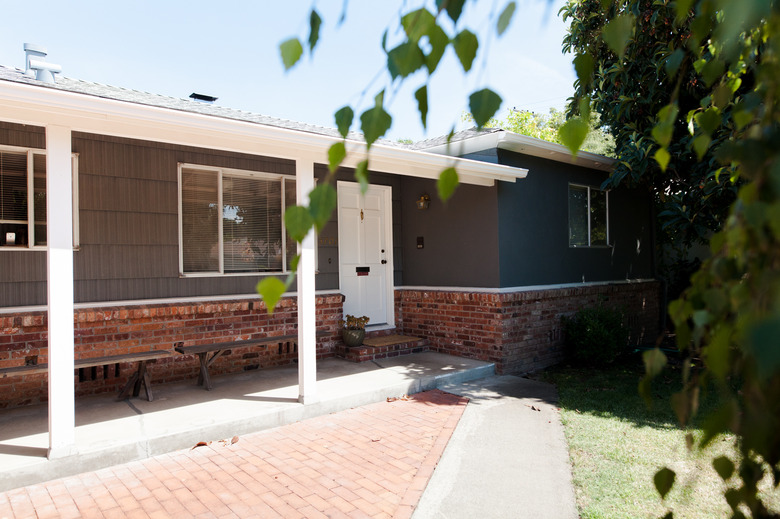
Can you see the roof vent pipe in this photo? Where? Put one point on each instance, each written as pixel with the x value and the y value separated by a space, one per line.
pixel 35 60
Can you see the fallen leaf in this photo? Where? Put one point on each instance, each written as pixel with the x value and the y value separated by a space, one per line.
pixel 201 444
pixel 234 440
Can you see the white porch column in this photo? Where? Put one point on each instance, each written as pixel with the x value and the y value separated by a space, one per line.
pixel 307 339
pixel 59 265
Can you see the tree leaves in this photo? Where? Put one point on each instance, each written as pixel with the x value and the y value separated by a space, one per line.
pixel 271 290
pixel 583 64
pixel 298 222
pixel 291 51
pixel 344 118
pixel 618 32
pixel 447 183
pixel 361 175
pixel 454 8
pixel 483 105
pixel 466 44
pixel 376 121
pixel 336 155
pixel 573 134
pixel 322 202
pixel 314 29
pixel 421 95
pixel 505 18
pixel 405 59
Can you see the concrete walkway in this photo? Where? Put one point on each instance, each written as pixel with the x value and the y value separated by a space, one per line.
pixel 505 458
pixel 508 456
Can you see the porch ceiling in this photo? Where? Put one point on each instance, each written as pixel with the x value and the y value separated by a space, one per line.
pixel 38 105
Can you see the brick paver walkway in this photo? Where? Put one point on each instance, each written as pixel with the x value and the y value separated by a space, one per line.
pixel 372 461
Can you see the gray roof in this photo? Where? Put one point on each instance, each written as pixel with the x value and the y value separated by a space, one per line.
pixel 185 105
pixel 457 136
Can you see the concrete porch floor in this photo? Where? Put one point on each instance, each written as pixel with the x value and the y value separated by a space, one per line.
pixel 110 432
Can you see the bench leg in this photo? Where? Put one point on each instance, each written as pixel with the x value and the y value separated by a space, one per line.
pixel 138 378
pixel 203 377
pixel 125 393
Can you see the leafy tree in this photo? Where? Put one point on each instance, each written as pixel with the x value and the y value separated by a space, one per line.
pixel 691 90
pixel 630 85
pixel 546 127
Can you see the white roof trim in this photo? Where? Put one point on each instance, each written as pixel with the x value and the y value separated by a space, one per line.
pixel 35 105
pixel 523 144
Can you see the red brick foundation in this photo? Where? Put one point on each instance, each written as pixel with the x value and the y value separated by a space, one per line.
pixel 117 330
pixel 519 331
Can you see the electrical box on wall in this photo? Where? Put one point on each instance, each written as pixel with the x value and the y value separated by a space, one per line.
pixel 420 242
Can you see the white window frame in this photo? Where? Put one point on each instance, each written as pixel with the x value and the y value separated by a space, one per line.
pixel 220 172
pixel 590 227
pixel 31 194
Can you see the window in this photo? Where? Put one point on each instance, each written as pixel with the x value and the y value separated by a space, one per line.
pixel 588 217
pixel 231 221
pixel 23 198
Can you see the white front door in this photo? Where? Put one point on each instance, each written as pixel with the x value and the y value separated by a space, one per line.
pixel 365 252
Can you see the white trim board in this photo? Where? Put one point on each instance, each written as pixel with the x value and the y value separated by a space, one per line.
pixel 528 288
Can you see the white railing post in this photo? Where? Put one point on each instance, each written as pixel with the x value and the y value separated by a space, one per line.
pixel 307 339
pixel 59 271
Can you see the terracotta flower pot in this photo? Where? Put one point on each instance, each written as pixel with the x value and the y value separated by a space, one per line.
pixel 353 337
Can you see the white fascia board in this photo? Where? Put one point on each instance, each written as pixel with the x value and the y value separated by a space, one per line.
pixel 29 104
pixel 526 145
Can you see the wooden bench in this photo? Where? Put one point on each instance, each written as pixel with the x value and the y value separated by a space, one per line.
pixel 140 376
pixel 217 349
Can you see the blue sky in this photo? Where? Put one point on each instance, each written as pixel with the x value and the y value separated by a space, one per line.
pixel 229 49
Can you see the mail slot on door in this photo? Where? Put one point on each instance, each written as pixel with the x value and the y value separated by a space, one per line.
pixel 362 271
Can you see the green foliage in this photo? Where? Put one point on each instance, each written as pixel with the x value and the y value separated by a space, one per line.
pixel 695 110
pixel 646 86
pixel 595 335
pixel 483 105
pixel 547 127
pixel 446 184
pixel 291 51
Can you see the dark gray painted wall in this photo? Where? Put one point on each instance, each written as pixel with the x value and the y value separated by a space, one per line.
pixel 533 229
pixel 22 272
pixel 128 200
pixel 460 237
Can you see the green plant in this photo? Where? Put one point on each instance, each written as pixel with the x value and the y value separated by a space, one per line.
pixel 595 335
pixel 354 323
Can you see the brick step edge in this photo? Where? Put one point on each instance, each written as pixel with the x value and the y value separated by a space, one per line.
pixel 367 353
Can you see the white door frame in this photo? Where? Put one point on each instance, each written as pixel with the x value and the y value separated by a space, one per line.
pixel 387 196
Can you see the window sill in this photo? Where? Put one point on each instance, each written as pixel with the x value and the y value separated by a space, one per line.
pixel 38 248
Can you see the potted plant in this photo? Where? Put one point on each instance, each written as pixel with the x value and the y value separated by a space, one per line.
pixel 353 330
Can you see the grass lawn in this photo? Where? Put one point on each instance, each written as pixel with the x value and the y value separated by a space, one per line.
pixel 617 444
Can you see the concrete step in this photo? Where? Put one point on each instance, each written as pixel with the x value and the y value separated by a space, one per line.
pixel 382 347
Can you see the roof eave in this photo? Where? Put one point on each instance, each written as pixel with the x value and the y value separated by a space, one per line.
pixel 526 145
pixel 36 105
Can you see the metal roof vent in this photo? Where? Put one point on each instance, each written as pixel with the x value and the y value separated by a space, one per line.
pixel 202 98
pixel 35 60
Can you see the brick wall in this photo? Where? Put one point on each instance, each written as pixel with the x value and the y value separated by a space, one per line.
pixel 519 331
pixel 129 329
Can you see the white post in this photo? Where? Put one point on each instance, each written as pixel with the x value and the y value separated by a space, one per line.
pixel 59 266
pixel 307 339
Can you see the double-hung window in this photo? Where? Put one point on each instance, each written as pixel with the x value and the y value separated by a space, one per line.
pixel 588 217
pixel 23 198
pixel 231 221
